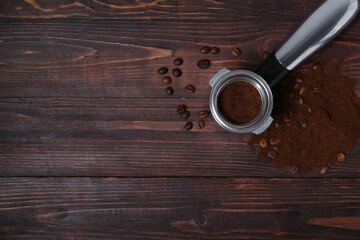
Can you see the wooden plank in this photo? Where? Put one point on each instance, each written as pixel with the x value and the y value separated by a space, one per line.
pixel 155 9
pixel 126 137
pixel 120 58
pixel 182 208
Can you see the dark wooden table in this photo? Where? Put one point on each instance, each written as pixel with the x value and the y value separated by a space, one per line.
pixel 92 148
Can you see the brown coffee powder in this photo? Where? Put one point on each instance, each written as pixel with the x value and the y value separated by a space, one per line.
pixel 316 119
pixel 240 102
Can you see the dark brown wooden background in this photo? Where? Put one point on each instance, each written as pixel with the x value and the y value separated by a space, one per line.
pixel 92 148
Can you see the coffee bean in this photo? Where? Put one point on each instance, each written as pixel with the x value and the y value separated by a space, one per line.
pixel 169 91
pixel 177 72
pixel 294 169
pixel 166 80
pixel 290 114
pixel 297 86
pixel 214 50
pixel 236 52
pixel 178 61
pixel 204 63
pixel 302 90
pixel 300 101
pixel 188 126
pixel 265 54
pixel 181 109
pixel 203 114
pixel 291 95
pixel 185 115
pixel 275 148
pixel 190 89
pixel 163 70
pixel 276 125
pixel 263 143
pixel 304 123
pixel 272 155
pixel 204 50
pixel 324 170
pixel 286 120
pixel 274 141
pixel 316 66
pixel 341 157
pixel 201 124
pixel 309 109
pixel 299 80
pixel 317 90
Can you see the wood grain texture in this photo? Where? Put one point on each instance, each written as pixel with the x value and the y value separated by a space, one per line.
pixel 126 137
pixel 202 208
pixel 61 58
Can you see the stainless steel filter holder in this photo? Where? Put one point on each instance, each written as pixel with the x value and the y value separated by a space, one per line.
pixel 318 29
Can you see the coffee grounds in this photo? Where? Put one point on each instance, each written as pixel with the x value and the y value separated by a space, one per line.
pixel 316 118
pixel 240 102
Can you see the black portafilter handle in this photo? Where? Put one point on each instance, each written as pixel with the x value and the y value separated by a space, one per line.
pixel 317 30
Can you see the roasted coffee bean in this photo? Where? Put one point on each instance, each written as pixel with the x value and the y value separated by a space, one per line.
pixel 316 66
pixel 272 154
pixel 275 148
pixel 302 90
pixel 181 109
pixel 291 95
pixel 236 52
pixel 204 63
pixel 304 123
pixel 178 61
pixel 263 143
pixel 204 50
pixel 300 101
pixel 190 89
pixel 166 80
pixel 177 72
pixel 203 114
pixel 297 86
pixel 274 141
pixel 185 115
pixel 286 120
pixel 214 50
pixel 290 114
pixel 299 80
pixel 317 90
pixel 324 170
pixel 309 109
pixel 341 157
pixel 169 91
pixel 163 70
pixel 201 124
pixel 188 126
pixel 294 169
pixel 265 54
pixel 276 125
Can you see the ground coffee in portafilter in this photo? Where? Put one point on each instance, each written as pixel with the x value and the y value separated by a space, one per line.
pixel 240 102
pixel 316 118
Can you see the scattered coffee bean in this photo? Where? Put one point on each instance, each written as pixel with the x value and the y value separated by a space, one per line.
pixel 188 126
pixel 299 80
pixel 203 114
pixel 304 123
pixel 214 50
pixel 324 170
pixel 181 109
pixel 290 114
pixel 302 90
pixel 204 63
pixel 185 115
pixel 309 109
pixel 276 125
pixel 286 120
pixel 316 66
pixel 272 155
pixel 163 70
pixel 190 89
pixel 263 143
pixel 297 86
pixel 177 72
pixel 201 124
pixel 291 95
pixel 204 50
pixel 169 91
pixel 236 52
pixel 294 169
pixel 300 101
pixel 317 90
pixel 341 157
pixel 274 141
pixel 166 80
pixel 275 148
pixel 265 54
pixel 178 61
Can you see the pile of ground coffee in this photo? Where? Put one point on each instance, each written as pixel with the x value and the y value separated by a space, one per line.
pixel 240 102
pixel 316 119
